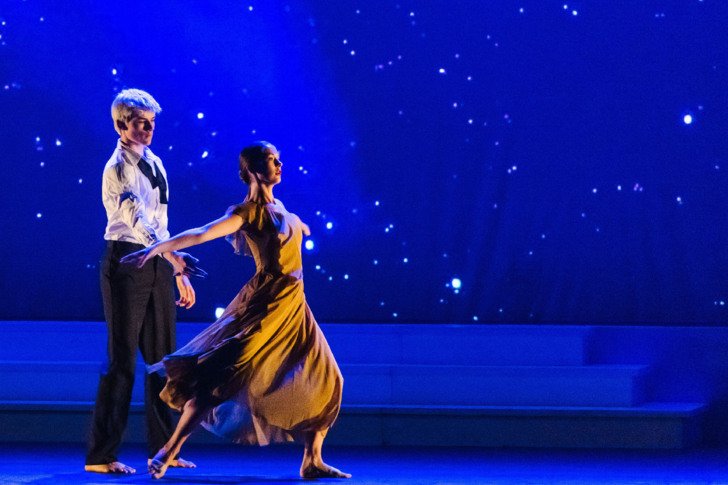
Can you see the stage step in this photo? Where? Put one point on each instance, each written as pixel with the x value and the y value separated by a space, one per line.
pixel 351 343
pixel 651 425
pixel 443 385
pixel 450 385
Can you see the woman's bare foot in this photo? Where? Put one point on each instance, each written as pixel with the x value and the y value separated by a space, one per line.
pixel 113 467
pixel 322 470
pixel 158 465
pixel 178 463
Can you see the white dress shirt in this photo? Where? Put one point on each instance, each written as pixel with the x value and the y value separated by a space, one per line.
pixel 133 208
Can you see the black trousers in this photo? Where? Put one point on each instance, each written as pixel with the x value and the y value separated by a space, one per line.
pixel 140 314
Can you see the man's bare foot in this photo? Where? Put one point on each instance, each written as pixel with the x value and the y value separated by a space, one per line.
pixel 322 471
pixel 178 463
pixel 113 467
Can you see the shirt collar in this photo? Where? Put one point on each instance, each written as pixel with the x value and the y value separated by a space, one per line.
pixel 133 156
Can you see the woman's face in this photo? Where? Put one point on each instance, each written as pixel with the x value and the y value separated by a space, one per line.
pixel 270 172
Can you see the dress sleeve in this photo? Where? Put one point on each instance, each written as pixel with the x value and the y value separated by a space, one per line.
pixel 237 239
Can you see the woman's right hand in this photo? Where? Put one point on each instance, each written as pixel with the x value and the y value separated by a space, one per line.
pixel 138 258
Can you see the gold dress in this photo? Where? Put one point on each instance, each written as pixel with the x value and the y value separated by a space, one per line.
pixel 265 360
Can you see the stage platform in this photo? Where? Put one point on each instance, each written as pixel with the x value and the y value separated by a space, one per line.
pixel 543 386
pixel 33 464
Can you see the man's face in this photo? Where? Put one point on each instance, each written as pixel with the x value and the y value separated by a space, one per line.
pixel 140 128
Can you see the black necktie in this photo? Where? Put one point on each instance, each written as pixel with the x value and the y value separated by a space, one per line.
pixel 156 180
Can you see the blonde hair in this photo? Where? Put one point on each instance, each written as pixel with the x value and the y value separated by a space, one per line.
pixel 128 101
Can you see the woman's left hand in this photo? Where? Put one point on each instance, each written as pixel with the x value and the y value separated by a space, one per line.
pixel 138 258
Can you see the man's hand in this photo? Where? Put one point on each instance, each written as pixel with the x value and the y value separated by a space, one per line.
pixel 184 264
pixel 187 296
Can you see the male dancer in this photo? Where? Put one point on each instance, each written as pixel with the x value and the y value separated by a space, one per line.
pixel 139 304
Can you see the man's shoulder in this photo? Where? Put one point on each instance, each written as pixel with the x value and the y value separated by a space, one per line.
pixel 117 163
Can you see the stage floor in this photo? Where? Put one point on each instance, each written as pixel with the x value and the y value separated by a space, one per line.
pixel 63 464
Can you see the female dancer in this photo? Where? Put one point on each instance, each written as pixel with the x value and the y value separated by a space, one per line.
pixel 263 372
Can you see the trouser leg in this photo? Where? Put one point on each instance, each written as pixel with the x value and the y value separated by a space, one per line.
pixel 125 291
pixel 157 340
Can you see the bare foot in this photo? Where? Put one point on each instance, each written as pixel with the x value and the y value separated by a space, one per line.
pixel 322 471
pixel 157 466
pixel 113 467
pixel 178 463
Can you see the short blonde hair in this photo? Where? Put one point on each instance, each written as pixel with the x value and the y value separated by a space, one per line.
pixel 128 101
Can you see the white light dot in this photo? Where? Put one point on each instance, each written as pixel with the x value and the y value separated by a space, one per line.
pixel 309 244
pixel 566 7
pixel 574 13
pixel 318 267
pixel 80 181
pixel 520 10
pixel 219 311
pixel 395 315
pixel 352 52
pixel 113 72
pixel 58 142
pixel 594 190
pixel 679 200
pixel 375 262
pixel 250 8
pixel 39 215
pixel 346 276
pixel 441 70
pixel 412 14
pixel 376 202
pixel 200 115
pixel 619 187
pixel 475 318
pixel 329 225
pixel 456 283
pixel 688 119
pixel 405 260
pixel 205 154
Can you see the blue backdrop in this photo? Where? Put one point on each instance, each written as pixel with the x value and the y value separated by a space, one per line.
pixel 500 161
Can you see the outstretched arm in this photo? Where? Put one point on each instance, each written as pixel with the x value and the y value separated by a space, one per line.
pixel 227 224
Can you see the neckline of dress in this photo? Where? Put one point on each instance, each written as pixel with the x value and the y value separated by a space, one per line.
pixel 274 202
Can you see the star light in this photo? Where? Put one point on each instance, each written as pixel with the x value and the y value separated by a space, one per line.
pixel 456 283
pixel 200 115
pixel 309 244
pixel 38 215
pixel 329 225
pixel 688 119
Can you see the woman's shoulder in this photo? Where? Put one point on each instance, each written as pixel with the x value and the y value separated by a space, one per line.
pixel 243 209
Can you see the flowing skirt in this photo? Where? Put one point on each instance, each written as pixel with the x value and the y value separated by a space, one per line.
pixel 264 363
